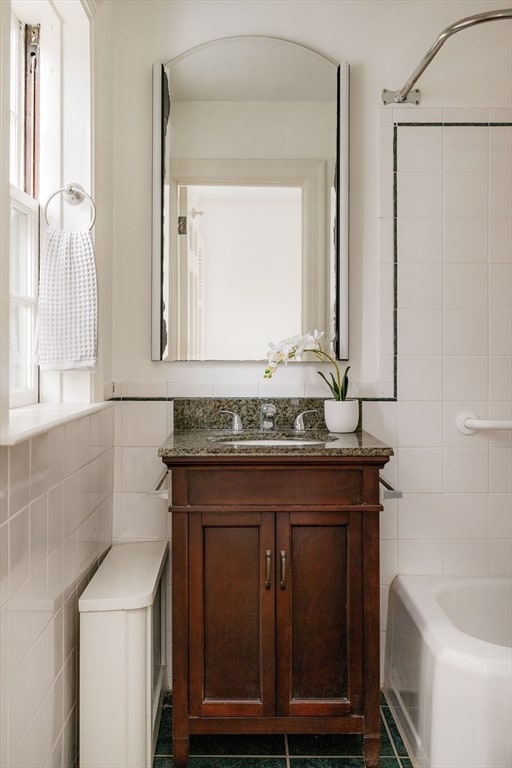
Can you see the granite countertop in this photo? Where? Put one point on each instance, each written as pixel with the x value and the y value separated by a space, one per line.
pixel 212 442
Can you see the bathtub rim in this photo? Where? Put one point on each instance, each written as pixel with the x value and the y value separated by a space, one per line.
pixel 410 587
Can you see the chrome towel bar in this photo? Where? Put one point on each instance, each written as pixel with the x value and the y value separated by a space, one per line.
pixel 389 492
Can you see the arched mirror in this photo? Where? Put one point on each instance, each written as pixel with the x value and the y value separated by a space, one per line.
pixel 250 198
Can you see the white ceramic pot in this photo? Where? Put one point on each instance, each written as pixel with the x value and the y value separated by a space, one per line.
pixel 341 415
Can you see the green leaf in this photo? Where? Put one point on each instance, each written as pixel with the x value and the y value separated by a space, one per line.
pixel 328 384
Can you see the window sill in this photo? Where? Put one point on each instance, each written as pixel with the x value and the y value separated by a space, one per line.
pixel 32 420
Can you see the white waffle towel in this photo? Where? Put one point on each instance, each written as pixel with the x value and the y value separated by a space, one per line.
pixel 66 335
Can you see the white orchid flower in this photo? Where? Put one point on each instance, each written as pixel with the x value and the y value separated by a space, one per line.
pixel 294 347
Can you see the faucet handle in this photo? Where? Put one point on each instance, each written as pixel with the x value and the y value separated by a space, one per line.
pixel 298 423
pixel 236 422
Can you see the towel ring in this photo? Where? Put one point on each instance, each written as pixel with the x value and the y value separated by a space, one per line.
pixel 74 195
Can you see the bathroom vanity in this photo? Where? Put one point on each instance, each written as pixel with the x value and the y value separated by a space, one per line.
pixel 275 579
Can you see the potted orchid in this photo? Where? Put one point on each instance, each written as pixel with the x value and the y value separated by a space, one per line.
pixel 341 414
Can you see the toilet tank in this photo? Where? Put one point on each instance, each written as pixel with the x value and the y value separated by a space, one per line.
pixel 122 657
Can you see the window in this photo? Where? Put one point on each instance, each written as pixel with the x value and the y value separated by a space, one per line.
pixel 24 240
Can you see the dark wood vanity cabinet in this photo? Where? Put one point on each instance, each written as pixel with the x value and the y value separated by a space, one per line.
pixel 275 597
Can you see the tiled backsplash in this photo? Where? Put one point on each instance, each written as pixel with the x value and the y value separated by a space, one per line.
pixel 205 413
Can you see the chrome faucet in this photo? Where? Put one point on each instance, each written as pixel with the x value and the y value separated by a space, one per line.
pixel 298 423
pixel 236 421
pixel 267 416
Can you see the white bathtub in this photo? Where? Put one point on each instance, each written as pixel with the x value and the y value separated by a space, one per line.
pixel 448 669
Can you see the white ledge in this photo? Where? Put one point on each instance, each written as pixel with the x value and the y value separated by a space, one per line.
pixel 32 420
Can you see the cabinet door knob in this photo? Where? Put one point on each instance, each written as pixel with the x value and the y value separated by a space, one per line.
pixel 268 568
pixel 283 569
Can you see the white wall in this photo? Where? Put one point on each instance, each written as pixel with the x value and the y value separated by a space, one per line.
pixel 382 41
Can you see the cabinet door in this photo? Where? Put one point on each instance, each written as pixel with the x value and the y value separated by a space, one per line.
pixel 319 613
pixel 231 614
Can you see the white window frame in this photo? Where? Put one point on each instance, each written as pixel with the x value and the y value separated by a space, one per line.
pixel 28 207
pixel 26 300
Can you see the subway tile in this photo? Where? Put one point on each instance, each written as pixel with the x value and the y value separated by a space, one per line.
pixel 127 389
pixel 500 240
pixel 140 469
pixel 500 148
pixel 379 418
pixel 466 377
pixel 500 115
pixel 420 556
pixel 420 331
pixel 420 470
pixel 420 516
pixel 466 558
pixel 19 476
pixel 500 286
pixel 420 286
pixel 500 378
pixel 466 149
pixel 420 377
pixel 229 388
pixel 143 423
pixel 466 470
pixel 465 286
pixel 465 240
pixel 465 115
pixel 465 195
pixel 386 331
pixel 500 194
pixel 465 331
pixel 500 557
pixel 430 159
pixel 420 195
pixel 38 532
pixel 500 474
pixel 420 241
pixel 19 565
pixel 417 114
pixel 465 516
pixel 500 515
pixel 500 332
pixel 420 424
pixel 139 516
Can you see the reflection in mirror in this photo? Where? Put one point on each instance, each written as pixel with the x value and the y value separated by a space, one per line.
pixel 249 199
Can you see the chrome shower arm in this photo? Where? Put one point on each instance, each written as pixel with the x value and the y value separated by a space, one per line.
pixel 406 94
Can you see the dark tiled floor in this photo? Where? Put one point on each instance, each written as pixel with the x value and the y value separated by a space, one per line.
pixel 294 751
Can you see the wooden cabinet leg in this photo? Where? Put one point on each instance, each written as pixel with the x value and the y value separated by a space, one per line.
pixel 180 752
pixel 371 751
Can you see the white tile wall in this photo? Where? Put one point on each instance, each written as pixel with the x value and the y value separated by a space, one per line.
pixel 454 255
pixel 55 524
